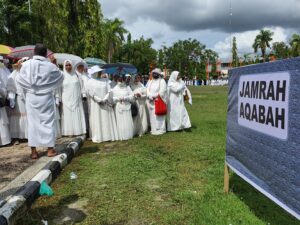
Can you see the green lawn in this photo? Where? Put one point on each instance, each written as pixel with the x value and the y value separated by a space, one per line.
pixel 176 178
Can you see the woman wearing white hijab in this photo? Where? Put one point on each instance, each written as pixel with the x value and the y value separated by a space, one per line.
pixel 123 96
pixel 81 71
pixel 72 118
pixel 17 110
pixel 178 118
pixel 156 87
pixel 102 118
pixel 140 93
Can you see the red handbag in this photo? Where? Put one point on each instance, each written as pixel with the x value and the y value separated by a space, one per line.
pixel 160 107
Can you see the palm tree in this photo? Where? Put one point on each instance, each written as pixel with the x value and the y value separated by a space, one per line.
pixel 114 32
pixel 262 41
pixel 295 44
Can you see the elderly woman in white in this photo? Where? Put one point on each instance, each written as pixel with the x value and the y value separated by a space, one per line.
pixel 156 87
pixel 140 94
pixel 72 118
pixel 4 123
pixel 123 96
pixel 178 118
pixel 102 118
pixel 17 112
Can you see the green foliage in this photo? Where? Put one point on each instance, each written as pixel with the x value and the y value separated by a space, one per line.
pixel 262 41
pixel 71 26
pixel 114 36
pixel 15 23
pixel 295 45
pixel 188 57
pixel 139 53
pixel 234 51
pixel 280 50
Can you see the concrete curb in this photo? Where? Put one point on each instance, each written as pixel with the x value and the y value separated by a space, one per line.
pixel 23 198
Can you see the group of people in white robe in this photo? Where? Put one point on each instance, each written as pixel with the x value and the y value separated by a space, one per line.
pixel 84 101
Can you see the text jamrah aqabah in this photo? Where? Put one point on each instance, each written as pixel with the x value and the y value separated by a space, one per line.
pixel 271 90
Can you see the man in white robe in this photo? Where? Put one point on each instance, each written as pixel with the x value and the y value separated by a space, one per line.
pixel 39 78
pixel 178 118
pixel 156 87
pixel 102 118
pixel 4 122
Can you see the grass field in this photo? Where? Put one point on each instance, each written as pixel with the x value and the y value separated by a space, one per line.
pixel 176 178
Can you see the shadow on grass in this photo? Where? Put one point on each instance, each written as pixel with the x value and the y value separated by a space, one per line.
pixel 59 213
pixel 260 205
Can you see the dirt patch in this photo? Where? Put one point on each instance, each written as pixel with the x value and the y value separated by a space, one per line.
pixel 14 159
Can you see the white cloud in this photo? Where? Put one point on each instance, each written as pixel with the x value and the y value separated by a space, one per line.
pixel 207 21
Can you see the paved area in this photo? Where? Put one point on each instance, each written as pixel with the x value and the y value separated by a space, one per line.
pixel 14 159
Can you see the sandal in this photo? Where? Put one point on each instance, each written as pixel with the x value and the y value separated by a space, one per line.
pixel 53 153
pixel 34 156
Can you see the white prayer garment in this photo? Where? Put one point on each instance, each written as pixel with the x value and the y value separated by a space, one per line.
pixel 84 78
pixel 156 87
pixel 123 96
pixel 17 110
pixel 178 117
pixel 114 81
pixel 57 95
pixel 4 73
pixel 112 84
pixel 102 117
pixel 38 78
pixel 4 122
pixel 140 121
pixel 72 118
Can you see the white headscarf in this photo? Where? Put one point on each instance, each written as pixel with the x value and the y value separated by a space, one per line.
pixel 73 69
pixel 173 78
pixel 80 63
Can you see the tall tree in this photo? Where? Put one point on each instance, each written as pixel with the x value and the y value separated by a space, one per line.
pixel 91 27
pixel 280 50
pixel 234 52
pixel 189 57
pixel 295 45
pixel 262 41
pixel 15 22
pixel 139 53
pixel 114 35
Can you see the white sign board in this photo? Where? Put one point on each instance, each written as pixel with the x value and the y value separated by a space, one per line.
pixel 263 101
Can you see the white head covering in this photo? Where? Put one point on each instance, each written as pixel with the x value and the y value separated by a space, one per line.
pixel 173 78
pixel 157 71
pixel 64 68
pixel 93 70
pixel 23 59
pixel 80 63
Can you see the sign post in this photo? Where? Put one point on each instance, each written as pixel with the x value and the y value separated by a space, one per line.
pixel 263 130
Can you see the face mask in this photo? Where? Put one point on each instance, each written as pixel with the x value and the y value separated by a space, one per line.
pixel 155 75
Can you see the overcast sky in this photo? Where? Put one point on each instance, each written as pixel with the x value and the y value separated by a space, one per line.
pixel 166 21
